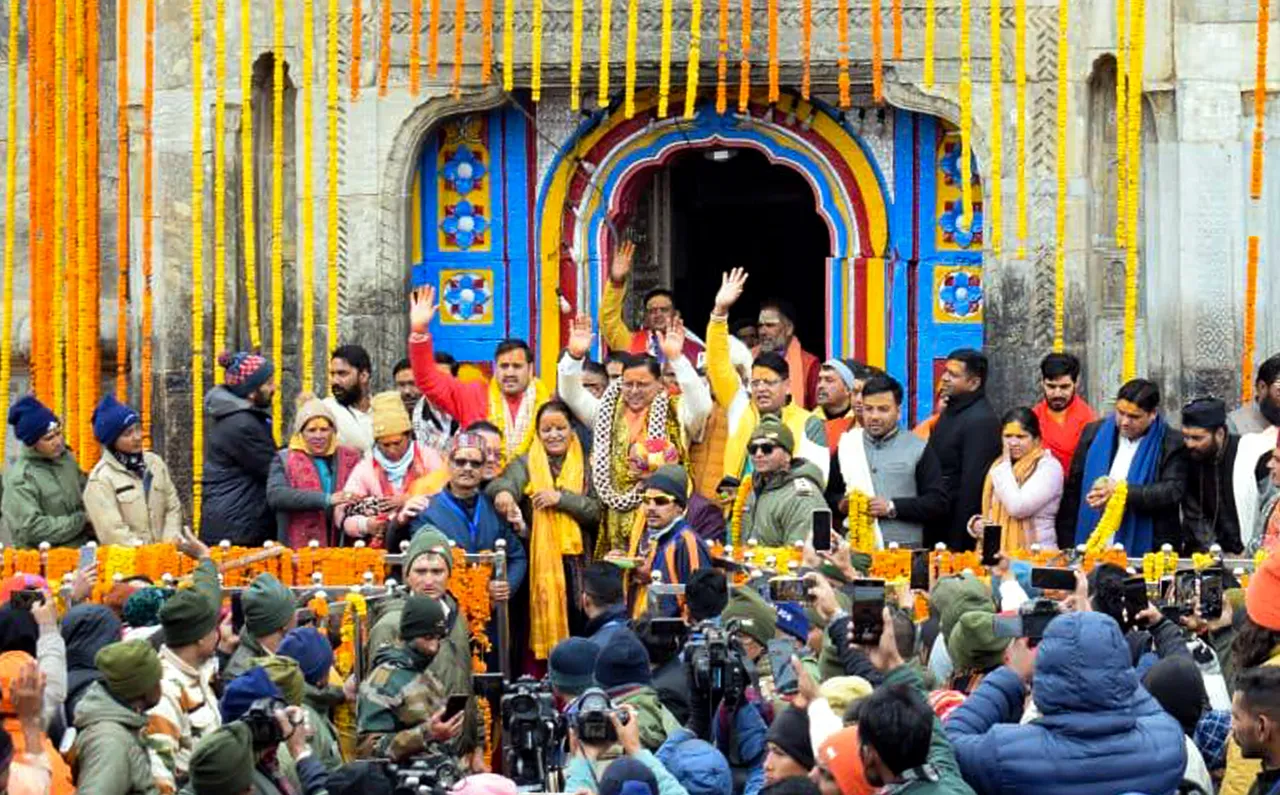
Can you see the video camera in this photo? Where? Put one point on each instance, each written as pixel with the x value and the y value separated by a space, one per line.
pixel 716 664
pixel 531 726
pixel 433 772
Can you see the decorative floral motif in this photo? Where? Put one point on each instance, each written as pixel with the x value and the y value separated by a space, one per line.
pixel 463 171
pixel 952 232
pixel 961 293
pixel 467 296
pixel 464 224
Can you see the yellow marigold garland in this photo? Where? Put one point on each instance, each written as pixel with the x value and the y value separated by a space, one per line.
pixel 695 58
pixel 331 183
pixel 509 44
pixel 1137 46
pixel 735 514
pixel 606 31
pixel 575 56
pixel 248 190
pixel 277 210
pixel 535 61
pixel 384 47
pixel 10 211
pixel 842 52
pixel 994 197
pixel 219 184
pixel 1100 539
pixel 806 47
pixel 1020 98
pixel 862 533
pixel 744 63
pixel 197 260
pixel 664 61
pixel 148 110
pixel 1122 127
pixel 633 35
pixel 1060 213
pixel 722 58
pixel 877 50
pixel 966 113
pixel 930 38
pixel 307 166
pixel 771 9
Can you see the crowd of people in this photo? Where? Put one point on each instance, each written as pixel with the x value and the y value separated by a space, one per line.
pixel 617 490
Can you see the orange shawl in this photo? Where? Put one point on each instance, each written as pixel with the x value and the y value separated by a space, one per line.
pixel 1015 533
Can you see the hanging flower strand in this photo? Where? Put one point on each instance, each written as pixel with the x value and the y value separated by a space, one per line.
pixel 248 190
pixel 633 34
pixel 308 297
pixel 771 9
pixel 744 65
pixel 1060 214
pixel 433 39
pixel 930 38
pixel 806 47
pixel 1137 45
pixel 59 200
pixel 664 61
pixel 122 201
pixel 197 261
pixel 460 28
pixel 897 30
pixel 148 110
pixel 384 47
pixel 1020 131
pixel 877 50
pixel 1122 125
pixel 842 52
pixel 219 182
pixel 10 211
pixel 508 40
pixel 486 41
pixel 357 30
pixel 415 47
pixel 722 59
pixel 994 196
pixel 966 113
pixel 695 58
pixel 575 57
pixel 1255 194
pixel 535 61
pixel 331 186
pixel 277 207
pixel 606 30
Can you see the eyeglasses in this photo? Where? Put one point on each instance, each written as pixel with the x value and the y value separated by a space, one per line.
pixel 658 500
pixel 467 463
pixel 659 310
pixel 761 448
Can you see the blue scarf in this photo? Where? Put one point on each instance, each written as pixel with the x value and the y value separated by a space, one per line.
pixel 1136 532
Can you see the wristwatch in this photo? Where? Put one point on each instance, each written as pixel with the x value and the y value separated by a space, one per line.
pixel 893 511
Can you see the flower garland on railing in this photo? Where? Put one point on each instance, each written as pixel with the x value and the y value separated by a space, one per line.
pixel 344 657
pixel 1255 195
pixel 384 46
pixel 415 47
pixel 735 514
pixel 806 47
pixel 220 183
pixel 1137 47
pixel 994 196
pixel 277 211
pixel 1109 522
pixel 947 563
pixel 877 51
pixel 331 185
pixel 197 259
pixel 744 62
pixel 890 564
pixel 694 60
pixel 122 201
pixel 842 53
pixel 606 31
pixel 722 57
pixel 1060 171
pixel 782 560
pixel 10 211
pixel 307 167
pixel 633 35
pixel 248 190
pixel 357 30
pixel 664 61
pixel 930 39
pixel 319 607
pixel 575 55
pixel 862 532
pixel 966 115
pixel 771 9
pixel 1020 132
pixel 469 585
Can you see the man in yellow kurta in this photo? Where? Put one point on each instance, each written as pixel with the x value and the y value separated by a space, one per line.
pixel 659 313
pixel 769 392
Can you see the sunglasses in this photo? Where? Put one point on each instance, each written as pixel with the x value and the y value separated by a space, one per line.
pixel 467 463
pixel 659 500
pixel 763 448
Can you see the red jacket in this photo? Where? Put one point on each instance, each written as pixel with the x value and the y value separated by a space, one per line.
pixel 465 402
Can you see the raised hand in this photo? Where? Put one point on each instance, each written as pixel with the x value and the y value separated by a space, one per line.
pixel 673 340
pixel 731 286
pixel 422 308
pixel 620 267
pixel 580 336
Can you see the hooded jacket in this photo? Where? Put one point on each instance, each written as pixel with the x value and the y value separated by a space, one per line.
pixel 42 501
pixel 238 449
pixel 127 510
pixel 656 721
pixel 780 511
pixel 1099 731
pixel 109 754
pixel 696 764
pixel 85 630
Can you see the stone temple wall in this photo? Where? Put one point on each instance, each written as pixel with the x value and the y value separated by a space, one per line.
pixel 1198 87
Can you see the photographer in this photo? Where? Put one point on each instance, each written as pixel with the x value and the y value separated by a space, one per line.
pixel 230 761
pixel 1150 635
pixel 590 759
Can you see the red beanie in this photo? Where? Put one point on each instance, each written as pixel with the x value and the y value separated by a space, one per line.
pixel 1262 599
pixel 841 755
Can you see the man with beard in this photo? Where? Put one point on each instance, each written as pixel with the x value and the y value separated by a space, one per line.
pixel 349 373
pixel 1209 514
pixel 1062 412
pixel 510 400
pixel 401 705
pixel 238 449
pixel 1257 424
pixel 777 330
pixel 431 427
pixel 1264 411
pixel 966 440
pixel 659 311
pixel 769 391
pixel 1136 447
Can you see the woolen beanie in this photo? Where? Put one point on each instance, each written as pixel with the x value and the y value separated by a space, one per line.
pixel 285 674
pixel 624 662
pixel 1262 599
pixel 756 617
pixel 423 617
pixel 245 689
pixel 628 776
pixel 110 419
pixel 310 408
pixel 245 372
pixel 187 617
pixel 955 596
pixel 841 691
pixel 973 644
pixel 571 664
pixel 670 479
pixel 142 608
pixel 841 755
pixel 387 411
pixel 772 429
pixel 428 539
pixel 313 652
pixel 31 420
pixel 130 668
pixel 790 733
pixel 268 606
pixel 223 761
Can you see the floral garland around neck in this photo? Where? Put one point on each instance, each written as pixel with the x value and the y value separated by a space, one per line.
pixel 516 441
pixel 602 447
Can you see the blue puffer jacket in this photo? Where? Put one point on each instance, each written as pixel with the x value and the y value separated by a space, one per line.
pixel 1101 733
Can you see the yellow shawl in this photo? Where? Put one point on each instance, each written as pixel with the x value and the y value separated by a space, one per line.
pixel 554 535
pixel 1015 533
pixel 518 432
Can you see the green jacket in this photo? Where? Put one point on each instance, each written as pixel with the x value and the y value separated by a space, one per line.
pixel 779 512
pixel 399 696
pixel 110 757
pixel 656 721
pixel 583 508
pixel 942 758
pixel 324 744
pixel 242 659
pixel 42 501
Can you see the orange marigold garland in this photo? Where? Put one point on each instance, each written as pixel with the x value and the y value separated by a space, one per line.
pixel 486 41
pixel 384 48
pixel 460 28
pixel 433 39
pixel 722 58
pixel 774 89
pixel 877 53
pixel 806 46
pixel 1255 195
pixel 842 52
pixel 415 47
pixel 744 63
pixel 897 30
pixel 357 30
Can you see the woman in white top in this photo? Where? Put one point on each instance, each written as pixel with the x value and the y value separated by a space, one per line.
pixel 1023 488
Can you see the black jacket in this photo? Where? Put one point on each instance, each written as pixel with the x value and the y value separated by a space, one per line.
pixel 966 441
pixel 1159 500
pixel 1209 503
pixel 671 681
pixel 238 449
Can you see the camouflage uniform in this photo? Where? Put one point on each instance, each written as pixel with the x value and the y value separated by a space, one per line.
pixel 396 703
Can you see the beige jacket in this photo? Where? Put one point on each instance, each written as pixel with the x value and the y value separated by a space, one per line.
pixel 119 510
